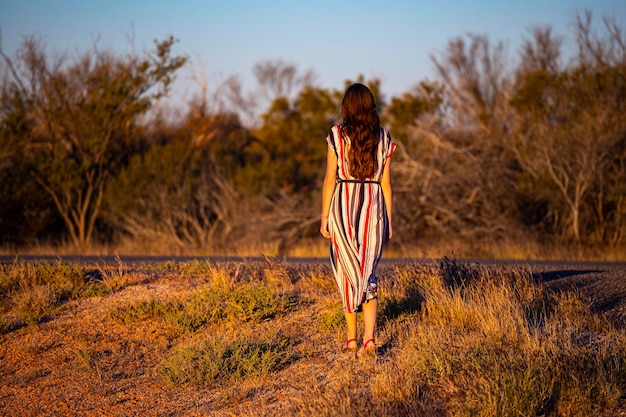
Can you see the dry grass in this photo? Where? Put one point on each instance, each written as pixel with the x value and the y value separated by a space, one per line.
pixel 511 248
pixel 250 339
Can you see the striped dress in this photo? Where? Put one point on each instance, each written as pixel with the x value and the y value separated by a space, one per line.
pixel 358 223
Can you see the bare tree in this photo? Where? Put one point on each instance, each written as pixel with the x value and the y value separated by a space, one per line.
pixel 542 52
pixel 477 78
pixel 280 79
pixel 570 132
pixel 452 165
pixel 80 117
pixel 596 50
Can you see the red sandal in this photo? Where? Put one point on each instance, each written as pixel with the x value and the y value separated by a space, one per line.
pixel 368 349
pixel 347 348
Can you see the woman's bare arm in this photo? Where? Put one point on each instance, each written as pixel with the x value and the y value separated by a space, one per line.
pixel 327 190
pixel 385 183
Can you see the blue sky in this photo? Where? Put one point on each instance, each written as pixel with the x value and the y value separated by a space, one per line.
pixel 392 40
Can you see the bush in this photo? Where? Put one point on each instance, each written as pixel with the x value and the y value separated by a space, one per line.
pixel 243 302
pixel 216 360
pixel 34 291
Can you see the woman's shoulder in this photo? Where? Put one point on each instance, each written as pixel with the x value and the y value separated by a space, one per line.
pixel 334 130
pixel 333 134
pixel 385 133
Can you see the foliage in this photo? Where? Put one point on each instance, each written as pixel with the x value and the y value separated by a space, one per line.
pixel 176 191
pixel 493 150
pixel 216 360
pixel 209 305
pixel 34 291
pixel 75 123
pixel 511 149
pixel 27 215
pixel 290 147
pixel 570 142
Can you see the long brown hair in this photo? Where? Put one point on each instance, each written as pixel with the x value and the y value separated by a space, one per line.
pixel 362 124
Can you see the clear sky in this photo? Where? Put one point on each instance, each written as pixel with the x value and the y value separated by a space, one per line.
pixel 392 40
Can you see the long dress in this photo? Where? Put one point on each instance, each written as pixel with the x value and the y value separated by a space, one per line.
pixel 358 223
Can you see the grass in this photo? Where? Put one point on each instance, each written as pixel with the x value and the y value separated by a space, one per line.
pixel 215 359
pixel 517 248
pixel 455 339
pixel 33 292
pixel 209 304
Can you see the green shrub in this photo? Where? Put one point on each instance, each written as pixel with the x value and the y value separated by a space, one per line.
pixel 139 311
pixel 332 320
pixel 189 314
pixel 7 325
pixel 215 360
pixel 244 302
pixel 254 302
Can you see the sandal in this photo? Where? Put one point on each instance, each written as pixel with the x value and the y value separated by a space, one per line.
pixel 368 349
pixel 347 348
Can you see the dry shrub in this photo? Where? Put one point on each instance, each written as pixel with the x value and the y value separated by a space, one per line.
pixel 36 303
pixel 494 343
pixel 33 291
pixel 464 339
pixel 114 279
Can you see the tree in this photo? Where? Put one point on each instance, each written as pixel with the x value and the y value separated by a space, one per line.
pixel 289 142
pixel 412 120
pixel 25 213
pixel 458 159
pixel 477 78
pixel 178 193
pixel 180 197
pixel 76 120
pixel 569 135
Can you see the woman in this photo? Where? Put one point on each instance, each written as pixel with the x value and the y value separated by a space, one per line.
pixel 356 209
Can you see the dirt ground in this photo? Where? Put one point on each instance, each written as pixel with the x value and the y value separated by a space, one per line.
pixel 78 364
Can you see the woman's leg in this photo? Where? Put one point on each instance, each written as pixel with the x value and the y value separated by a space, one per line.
pixel 350 328
pixel 369 319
